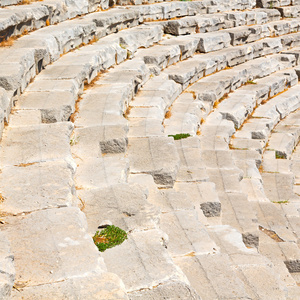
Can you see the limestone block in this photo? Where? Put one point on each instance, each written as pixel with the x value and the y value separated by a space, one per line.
pixel 213 41
pixel 125 205
pixel 161 56
pixel 101 172
pixel 37 186
pixel 54 106
pixel 156 156
pixel 282 143
pixel 36 143
pixel 148 264
pixel 52 236
pixel 95 286
pixel 168 289
pixel 186 234
pixel 202 194
pixel 143 127
pixel 188 45
pixel 7 269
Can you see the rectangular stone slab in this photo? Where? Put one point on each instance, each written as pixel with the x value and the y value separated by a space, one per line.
pixel 186 234
pixel 148 264
pixel 91 141
pixel 99 172
pixel 156 156
pixel 202 194
pixel 36 143
pixel 48 240
pixel 93 287
pixel 54 106
pixel 37 186
pixel 125 205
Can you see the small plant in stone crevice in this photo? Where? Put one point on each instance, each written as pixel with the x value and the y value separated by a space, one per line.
pixel 109 237
pixel 179 136
pixel 271 6
pixel 250 82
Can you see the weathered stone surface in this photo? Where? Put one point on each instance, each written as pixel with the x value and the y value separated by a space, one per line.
pixel 283 144
pixel 278 187
pixel 187 236
pixel 214 272
pixel 172 289
pixel 99 172
pixel 102 286
pixel 54 106
pixel 156 156
pixel 161 56
pixel 92 141
pixel 48 241
pixel 32 144
pixel 143 127
pixel 125 205
pixel 148 264
pixel 202 194
pixel 37 186
pixel 213 41
pixel 7 269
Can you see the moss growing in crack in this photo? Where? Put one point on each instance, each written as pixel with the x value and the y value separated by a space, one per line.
pixel 109 237
pixel 179 136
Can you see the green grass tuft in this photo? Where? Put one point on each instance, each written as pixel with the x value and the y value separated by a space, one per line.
pixel 109 237
pixel 179 136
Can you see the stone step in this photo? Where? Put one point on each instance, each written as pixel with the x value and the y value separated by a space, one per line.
pixel 173 289
pixel 203 195
pixel 169 10
pixel 125 205
pixel 282 144
pixel 191 165
pixel 37 186
pixel 17 20
pixel 276 253
pixel 218 278
pixel 53 236
pixel 96 286
pixel 7 269
pixel 290 11
pixel 35 144
pixel 187 236
pixel 99 172
pixel 148 264
pixel 156 156
pixel 213 22
pixel 258 269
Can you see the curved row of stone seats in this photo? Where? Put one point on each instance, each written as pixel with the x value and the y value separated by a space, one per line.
pixel 241 141
pixel 189 264
pixel 161 60
pixel 276 3
pixel 112 256
pixel 35 51
pixel 244 157
pixel 46 52
pixel 42 103
pixel 52 96
pixel 187 114
pixel 200 23
pixel 207 6
pixel 16 20
pixel 21 19
pixel 103 191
